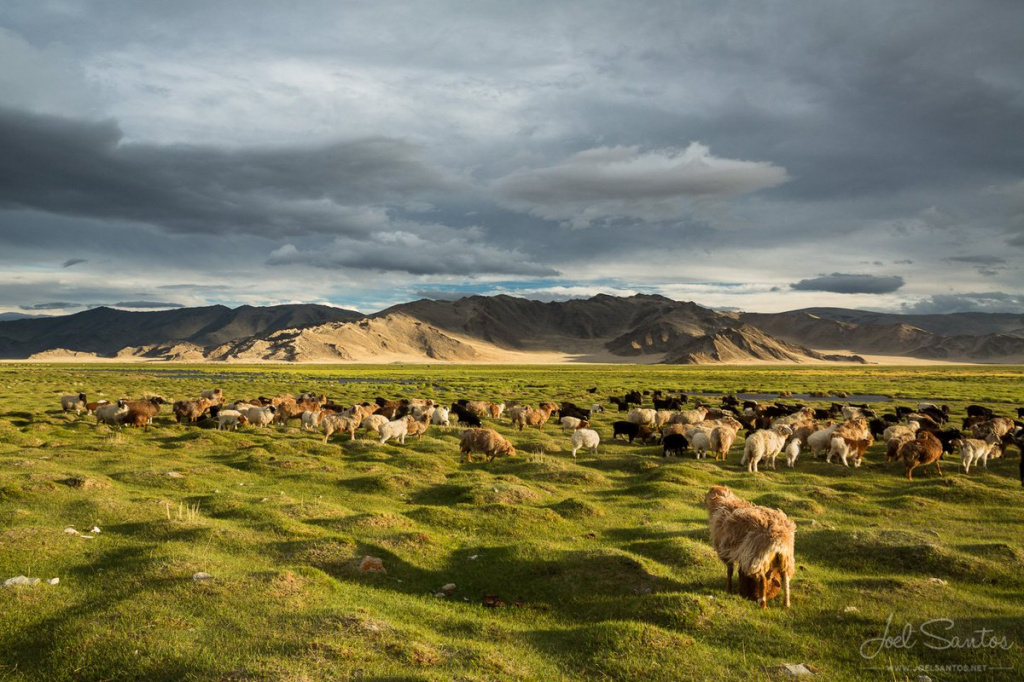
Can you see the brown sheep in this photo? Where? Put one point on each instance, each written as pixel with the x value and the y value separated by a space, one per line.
pixel 141 412
pixel 722 438
pixel 535 417
pixel 335 423
pixel 190 411
pixel 759 540
pixel 925 449
pixel 487 441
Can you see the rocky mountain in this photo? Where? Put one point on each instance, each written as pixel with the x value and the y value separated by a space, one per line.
pixel 105 331
pixel 641 328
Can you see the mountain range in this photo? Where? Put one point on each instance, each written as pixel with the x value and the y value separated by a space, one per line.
pixel 641 328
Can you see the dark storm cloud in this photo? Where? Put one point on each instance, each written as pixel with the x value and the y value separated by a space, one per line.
pixel 145 304
pixel 73 261
pixel 54 305
pixel 980 302
pixel 86 169
pixel 840 283
pixel 988 266
pixel 412 254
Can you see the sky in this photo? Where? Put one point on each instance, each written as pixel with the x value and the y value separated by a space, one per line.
pixel 759 156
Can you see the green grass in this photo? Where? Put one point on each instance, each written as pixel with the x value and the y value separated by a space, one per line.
pixel 603 564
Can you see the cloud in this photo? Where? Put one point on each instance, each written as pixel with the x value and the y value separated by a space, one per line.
pixel 87 169
pixel 980 302
pixel 55 305
pixel 73 261
pixel 145 304
pixel 989 266
pixel 623 183
pixel 840 283
pixel 436 250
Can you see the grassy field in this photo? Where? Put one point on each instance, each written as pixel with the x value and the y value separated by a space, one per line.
pixel 593 569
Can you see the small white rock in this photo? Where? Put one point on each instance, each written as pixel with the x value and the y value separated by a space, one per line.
pixel 175 474
pixel 95 529
pixel 53 581
pixel 474 557
pixel 937 581
pixel 20 580
pixel 201 576
pixel 449 588
pixel 70 531
pixel 796 670
pixel 851 609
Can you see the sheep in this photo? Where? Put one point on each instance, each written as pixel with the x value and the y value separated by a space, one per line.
pixel 190 411
pixel 722 438
pixel 897 430
pixel 398 428
pixel 699 440
pixel 112 414
pixel 596 407
pixel 73 402
pixel 643 417
pixel 334 423
pixel 584 438
pixel 925 449
pixel 534 417
pixel 892 446
pixel 695 416
pixel 310 420
pixel 675 443
pixel 801 415
pixel 230 420
pixel 821 439
pixel 215 395
pixel 845 448
pixel 90 408
pixel 483 408
pixel 259 416
pixel 764 444
pixel 464 416
pixel 487 441
pixel 440 417
pixel 141 412
pixel 417 427
pixel 757 540
pixel 570 423
pixel 792 450
pixel 973 450
pixel 374 422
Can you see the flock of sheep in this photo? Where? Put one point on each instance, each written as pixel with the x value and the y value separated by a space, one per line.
pixel 756 541
pixel 918 436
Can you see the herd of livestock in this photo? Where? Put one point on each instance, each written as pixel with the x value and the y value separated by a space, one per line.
pixel 918 436
pixel 755 541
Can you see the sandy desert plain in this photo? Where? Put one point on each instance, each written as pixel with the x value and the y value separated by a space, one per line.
pixel 598 568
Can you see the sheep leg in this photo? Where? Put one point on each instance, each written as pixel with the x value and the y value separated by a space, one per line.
pixel 763 599
pixel 785 590
pixel 728 582
pixel 938 468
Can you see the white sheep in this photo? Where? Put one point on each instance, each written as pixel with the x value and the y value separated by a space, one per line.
pixel 699 438
pixel 900 430
pixel 333 423
pixel 695 416
pixel 73 402
pixel 395 429
pixel 439 417
pixel 310 420
pixel 374 422
pixel 792 451
pixel 570 423
pixel 764 444
pixel 846 448
pixel 819 441
pixel 112 414
pixel 973 450
pixel 229 420
pixel 642 416
pixel 584 438
pixel 258 416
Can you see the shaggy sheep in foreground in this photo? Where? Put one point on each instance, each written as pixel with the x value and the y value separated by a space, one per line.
pixel 487 441
pixel 757 540
pixel 584 438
